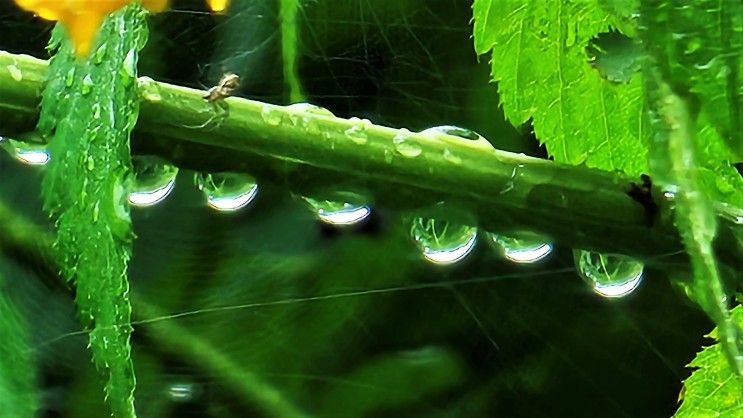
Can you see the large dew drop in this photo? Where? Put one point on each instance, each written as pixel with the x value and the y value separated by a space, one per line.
pixel 443 242
pixel 154 179
pixel 472 137
pixel 26 152
pixel 227 192
pixel 522 247
pixel 609 275
pixel 340 208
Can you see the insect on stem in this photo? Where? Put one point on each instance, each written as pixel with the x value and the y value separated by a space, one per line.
pixel 216 95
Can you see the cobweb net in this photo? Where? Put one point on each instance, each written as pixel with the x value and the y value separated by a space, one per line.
pixel 270 312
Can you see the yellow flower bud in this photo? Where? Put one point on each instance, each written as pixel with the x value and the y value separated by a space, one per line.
pixel 82 18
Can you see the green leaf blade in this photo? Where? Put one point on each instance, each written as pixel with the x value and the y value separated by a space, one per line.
pixel 713 390
pixel 541 65
pixel 89 110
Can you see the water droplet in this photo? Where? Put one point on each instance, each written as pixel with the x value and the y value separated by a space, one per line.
pixel 443 242
pixel 69 77
pixel 310 108
pixel 522 247
pixel 405 145
pixel 357 131
pixel 340 207
pixel 610 275
pixel 271 115
pixel 100 53
pixel 129 66
pixel 87 85
pixel 153 181
pixel 26 152
pixel 227 192
pixel 472 137
pixel 183 392
pixel 149 89
pixel 15 72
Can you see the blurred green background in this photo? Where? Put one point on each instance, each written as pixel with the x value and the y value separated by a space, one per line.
pixel 344 321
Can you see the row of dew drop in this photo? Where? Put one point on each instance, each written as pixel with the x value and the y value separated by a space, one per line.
pixel 441 242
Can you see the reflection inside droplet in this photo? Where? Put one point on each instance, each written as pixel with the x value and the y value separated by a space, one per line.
pixel 451 255
pixel 524 248
pixel 227 192
pixel 443 242
pixel 341 208
pixel 618 290
pixel 26 152
pixel 348 216
pixel 152 197
pixel 609 275
pixel 182 392
pixel 154 179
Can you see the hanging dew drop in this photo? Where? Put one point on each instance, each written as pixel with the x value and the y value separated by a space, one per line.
pixel 340 207
pixel 521 247
pixel 609 275
pixel 154 179
pixel 271 116
pixel 26 152
pixel 405 145
pixel 227 192
pixel 443 242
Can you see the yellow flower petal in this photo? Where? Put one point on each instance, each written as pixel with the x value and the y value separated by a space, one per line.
pixel 82 18
pixel 218 5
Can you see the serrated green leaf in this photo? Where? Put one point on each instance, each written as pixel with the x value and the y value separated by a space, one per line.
pixel 88 110
pixel 540 62
pixel 712 390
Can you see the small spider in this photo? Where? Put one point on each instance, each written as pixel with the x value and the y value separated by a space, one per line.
pixel 216 95
pixel 227 85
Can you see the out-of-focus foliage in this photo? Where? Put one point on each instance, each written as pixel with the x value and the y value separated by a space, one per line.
pixel 18 386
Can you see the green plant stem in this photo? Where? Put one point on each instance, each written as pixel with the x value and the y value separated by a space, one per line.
pixel 311 153
pixel 696 221
pixel 289 48
pixel 32 245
